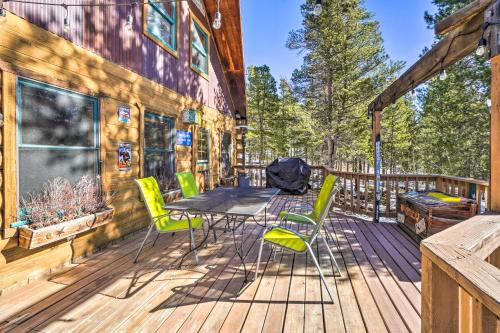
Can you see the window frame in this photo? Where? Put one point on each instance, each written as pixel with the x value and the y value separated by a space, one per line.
pixel 230 152
pixel 171 121
pixel 172 49
pixel 96 125
pixel 194 21
pixel 207 131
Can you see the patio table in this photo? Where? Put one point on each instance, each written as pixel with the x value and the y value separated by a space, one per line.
pixel 233 204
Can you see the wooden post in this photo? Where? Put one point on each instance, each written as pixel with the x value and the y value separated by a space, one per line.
pixel 376 118
pixel 495 135
pixel 439 299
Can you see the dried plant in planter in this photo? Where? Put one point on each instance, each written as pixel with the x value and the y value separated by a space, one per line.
pixel 167 183
pixel 60 201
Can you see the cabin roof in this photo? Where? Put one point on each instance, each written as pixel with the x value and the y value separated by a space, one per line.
pixel 229 42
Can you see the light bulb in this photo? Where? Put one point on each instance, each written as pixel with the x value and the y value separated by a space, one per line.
pixel 217 21
pixel 318 8
pixel 488 103
pixel 66 26
pixel 3 15
pixel 442 75
pixel 129 24
pixel 413 94
pixel 481 49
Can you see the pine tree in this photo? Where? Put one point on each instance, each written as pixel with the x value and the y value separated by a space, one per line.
pixel 454 123
pixel 345 66
pixel 262 104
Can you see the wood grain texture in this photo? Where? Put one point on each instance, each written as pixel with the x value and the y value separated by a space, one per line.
pixel 108 293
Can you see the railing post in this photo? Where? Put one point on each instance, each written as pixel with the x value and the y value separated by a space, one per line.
pixel 439 299
pixel 376 126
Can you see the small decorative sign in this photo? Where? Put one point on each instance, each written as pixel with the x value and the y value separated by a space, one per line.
pixel 191 116
pixel 124 114
pixel 124 156
pixel 420 226
pixel 184 138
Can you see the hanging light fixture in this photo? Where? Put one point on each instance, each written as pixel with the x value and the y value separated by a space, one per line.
pixel 442 73
pixel 3 13
pixel 318 7
pixel 129 23
pixel 481 49
pixel 218 18
pixel 66 26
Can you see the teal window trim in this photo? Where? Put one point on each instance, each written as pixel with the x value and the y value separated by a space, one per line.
pixel 171 20
pixel 20 146
pixel 203 51
pixel 170 149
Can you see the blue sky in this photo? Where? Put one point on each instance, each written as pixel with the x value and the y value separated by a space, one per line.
pixel 266 24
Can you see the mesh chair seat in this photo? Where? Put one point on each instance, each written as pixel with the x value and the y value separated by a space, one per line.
pixel 168 224
pixel 287 239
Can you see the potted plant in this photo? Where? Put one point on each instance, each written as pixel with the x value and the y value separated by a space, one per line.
pixel 62 210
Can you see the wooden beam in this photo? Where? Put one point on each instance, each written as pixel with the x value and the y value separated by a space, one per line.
pixel 461 16
pixel 495 135
pixel 377 149
pixel 455 46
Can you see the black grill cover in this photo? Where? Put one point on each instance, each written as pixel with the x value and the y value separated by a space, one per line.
pixel 288 174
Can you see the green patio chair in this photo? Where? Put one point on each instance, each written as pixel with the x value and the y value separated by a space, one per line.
pixel 162 219
pixel 188 184
pixel 297 242
pixel 312 217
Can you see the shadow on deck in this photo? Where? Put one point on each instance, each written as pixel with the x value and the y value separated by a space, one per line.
pixel 378 290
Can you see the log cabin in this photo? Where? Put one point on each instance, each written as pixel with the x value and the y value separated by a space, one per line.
pixel 156 80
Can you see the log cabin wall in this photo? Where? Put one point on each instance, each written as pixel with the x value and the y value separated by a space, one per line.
pixel 166 87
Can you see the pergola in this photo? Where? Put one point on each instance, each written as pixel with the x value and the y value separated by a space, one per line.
pixel 463 31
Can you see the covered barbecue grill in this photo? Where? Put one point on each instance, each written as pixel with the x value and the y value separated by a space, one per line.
pixel 291 175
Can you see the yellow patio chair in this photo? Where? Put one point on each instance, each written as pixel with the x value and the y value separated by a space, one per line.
pixel 292 205
pixel 301 243
pixel 162 219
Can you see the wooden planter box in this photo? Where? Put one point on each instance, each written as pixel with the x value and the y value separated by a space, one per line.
pixel 411 212
pixel 34 238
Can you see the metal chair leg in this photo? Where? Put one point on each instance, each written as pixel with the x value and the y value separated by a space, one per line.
pixel 331 255
pixel 143 242
pixel 320 272
pixel 193 245
pixel 259 257
pixel 204 234
pixel 157 236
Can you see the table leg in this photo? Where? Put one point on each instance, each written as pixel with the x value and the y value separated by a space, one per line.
pixel 239 250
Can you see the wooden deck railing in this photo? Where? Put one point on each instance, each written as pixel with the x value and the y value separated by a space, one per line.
pixel 357 189
pixel 461 277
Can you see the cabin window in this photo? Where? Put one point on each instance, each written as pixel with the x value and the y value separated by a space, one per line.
pixel 199 48
pixel 203 146
pixel 159 147
pixel 57 135
pixel 226 151
pixel 160 24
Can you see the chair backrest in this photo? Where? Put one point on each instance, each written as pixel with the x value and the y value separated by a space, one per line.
pixel 188 184
pixel 321 200
pixel 325 199
pixel 151 194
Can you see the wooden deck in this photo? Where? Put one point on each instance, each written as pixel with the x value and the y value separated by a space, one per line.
pixel 379 289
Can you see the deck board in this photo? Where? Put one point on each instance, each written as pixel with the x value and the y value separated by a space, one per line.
pixel 378 289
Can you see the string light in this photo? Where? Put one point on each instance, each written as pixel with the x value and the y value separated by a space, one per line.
pixel 318 7
pixel 481 49
pixel 218 18
pixel 442 73
pixel 129 24
pixel 66 26
pixel 3 13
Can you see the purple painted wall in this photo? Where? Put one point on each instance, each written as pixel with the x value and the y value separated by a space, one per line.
pixel 102 31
